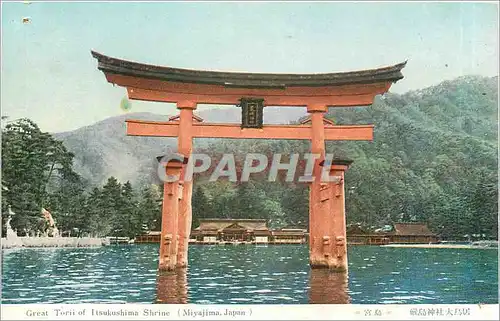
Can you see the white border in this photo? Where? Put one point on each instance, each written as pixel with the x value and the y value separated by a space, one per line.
pixel 249 312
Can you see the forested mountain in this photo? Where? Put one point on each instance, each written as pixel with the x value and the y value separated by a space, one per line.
pixel 433 159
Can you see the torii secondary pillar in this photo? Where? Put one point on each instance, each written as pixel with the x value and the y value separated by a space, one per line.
pixel 335 242
pixel 172 192
pixel 327 221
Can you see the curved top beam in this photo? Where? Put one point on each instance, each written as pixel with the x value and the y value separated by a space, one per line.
pixel 247 80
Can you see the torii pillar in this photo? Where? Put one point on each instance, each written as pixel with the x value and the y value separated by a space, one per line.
pixel 185 146
pixel 327 227
pixel 317 210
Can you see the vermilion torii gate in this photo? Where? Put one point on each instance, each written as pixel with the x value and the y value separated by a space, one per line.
pixel 317 92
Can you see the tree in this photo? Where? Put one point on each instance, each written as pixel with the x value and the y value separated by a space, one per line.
pixel 149 209
pixel 482 205
pixel 33 164
pixel 67 203
pixel 222 195
pixel 201 206
pixel 295 204
pixel 110 202
pixel 99 223
pixel 128 214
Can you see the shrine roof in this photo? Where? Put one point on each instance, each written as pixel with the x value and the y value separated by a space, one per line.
pixel 416 228
pixel 247 80
pixel 220 224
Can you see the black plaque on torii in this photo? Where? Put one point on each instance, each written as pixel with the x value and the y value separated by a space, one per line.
pixel 252 113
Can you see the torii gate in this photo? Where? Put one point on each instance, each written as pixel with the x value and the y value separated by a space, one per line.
pixel 188 88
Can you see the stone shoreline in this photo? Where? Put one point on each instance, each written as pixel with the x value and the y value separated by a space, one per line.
pixel 444 246
pixel 20 242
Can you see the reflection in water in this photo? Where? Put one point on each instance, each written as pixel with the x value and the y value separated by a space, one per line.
pixel 326 287
pixel 248 275
pixel 171 287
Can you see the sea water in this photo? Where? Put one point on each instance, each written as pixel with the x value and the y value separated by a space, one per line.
pixel 247 274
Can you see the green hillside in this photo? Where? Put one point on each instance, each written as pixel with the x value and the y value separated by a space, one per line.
pixel 433 159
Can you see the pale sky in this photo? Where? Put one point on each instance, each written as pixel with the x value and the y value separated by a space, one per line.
pixel 49 75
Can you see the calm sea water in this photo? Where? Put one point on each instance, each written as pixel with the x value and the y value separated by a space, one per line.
pixel 249 274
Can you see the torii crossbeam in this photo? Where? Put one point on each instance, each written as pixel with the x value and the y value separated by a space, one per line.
pixel 214 130
pixel 252 91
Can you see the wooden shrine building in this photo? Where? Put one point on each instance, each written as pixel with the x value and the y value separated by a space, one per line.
pixel 358 236
pixel 149 237
pixel 289 235
pixel 252 92
pixel 401 233
pixel 235 231
pixel 214 230
pixel 413 232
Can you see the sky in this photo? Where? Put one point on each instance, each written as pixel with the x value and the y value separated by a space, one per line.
pixel 49 75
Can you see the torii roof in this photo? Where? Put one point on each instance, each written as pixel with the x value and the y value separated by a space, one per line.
pixel 247 80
